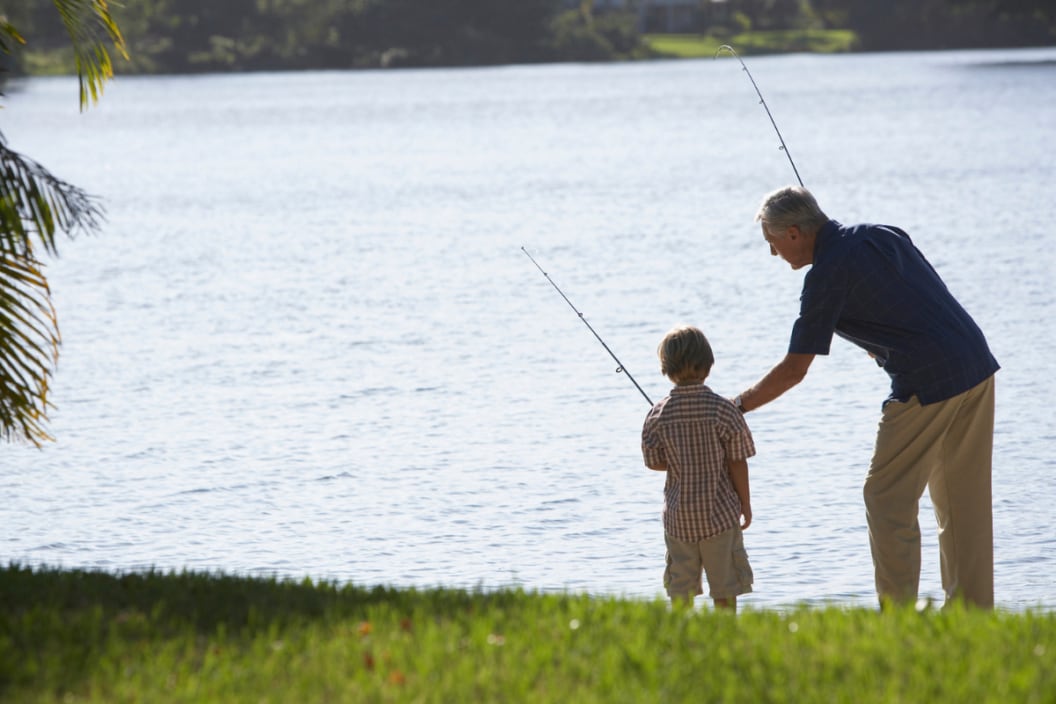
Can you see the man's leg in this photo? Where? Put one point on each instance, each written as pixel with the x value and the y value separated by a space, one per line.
pixel 960 491
pixel 905 451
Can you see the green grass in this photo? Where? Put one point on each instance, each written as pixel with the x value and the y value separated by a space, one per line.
pixel 688 46
pixel 75 636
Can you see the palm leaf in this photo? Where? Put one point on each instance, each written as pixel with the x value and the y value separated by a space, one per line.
pixel 8 34
pixel 29 342
pixel 91 27
pixel 36 205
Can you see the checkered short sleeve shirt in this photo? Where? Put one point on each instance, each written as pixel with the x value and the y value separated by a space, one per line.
pixel 694 433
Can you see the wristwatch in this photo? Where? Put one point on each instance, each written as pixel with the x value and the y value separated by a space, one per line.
pixel 740 406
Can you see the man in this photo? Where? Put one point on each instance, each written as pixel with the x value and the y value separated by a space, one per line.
pixel 870 285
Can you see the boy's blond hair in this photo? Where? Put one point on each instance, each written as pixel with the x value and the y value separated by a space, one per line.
pixel 685 355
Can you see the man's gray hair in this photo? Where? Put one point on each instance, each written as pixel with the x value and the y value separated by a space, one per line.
pixel 792 205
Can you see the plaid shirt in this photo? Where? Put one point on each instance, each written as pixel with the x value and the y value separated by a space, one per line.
pixel 694 432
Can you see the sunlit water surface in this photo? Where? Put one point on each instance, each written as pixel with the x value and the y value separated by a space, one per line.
pixel 307 342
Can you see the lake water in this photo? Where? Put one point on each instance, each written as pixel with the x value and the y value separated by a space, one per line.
pixel 307 342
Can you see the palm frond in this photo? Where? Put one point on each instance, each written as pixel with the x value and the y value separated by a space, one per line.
pixel 91 28
pixel 29 344
pixel 8 34
pixel 35 205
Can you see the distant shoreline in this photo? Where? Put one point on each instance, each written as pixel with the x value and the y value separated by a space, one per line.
pixel 59 61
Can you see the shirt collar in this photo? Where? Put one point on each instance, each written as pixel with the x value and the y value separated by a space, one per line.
pixel 826 234
pixel 689 388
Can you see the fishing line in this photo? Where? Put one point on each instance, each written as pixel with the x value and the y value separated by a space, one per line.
pixel 762 101
pixel 620 368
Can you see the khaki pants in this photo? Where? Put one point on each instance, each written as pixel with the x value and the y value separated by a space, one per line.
pixel 948 447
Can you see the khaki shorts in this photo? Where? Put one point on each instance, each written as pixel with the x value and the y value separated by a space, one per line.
pixel 722 558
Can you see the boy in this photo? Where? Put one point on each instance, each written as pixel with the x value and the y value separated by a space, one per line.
pixel 702 441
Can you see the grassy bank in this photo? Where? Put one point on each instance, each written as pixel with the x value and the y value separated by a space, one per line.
pixel 689 46
pixel 73 636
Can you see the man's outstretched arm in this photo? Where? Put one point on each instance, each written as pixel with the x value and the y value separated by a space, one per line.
pixel 788 372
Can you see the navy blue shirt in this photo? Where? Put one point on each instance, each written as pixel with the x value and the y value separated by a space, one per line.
pixel 870 285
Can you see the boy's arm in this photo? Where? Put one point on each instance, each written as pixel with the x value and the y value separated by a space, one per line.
pixel 654 455
pixel 738 470
pixel 652 448
pixel 658 465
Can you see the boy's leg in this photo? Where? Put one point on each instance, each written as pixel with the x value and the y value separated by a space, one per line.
pixel 682 575
pixel 725 563
pixel 960 490
pixel 906 448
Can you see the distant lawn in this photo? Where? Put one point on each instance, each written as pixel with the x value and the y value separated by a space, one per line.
pixel 690 46
pixel 60 61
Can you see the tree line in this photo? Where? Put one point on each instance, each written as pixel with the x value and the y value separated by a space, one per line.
pixel 186 36
pixel 945 24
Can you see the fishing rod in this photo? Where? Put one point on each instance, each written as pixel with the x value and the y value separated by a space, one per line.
pixel 783 147
pixel 620 368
